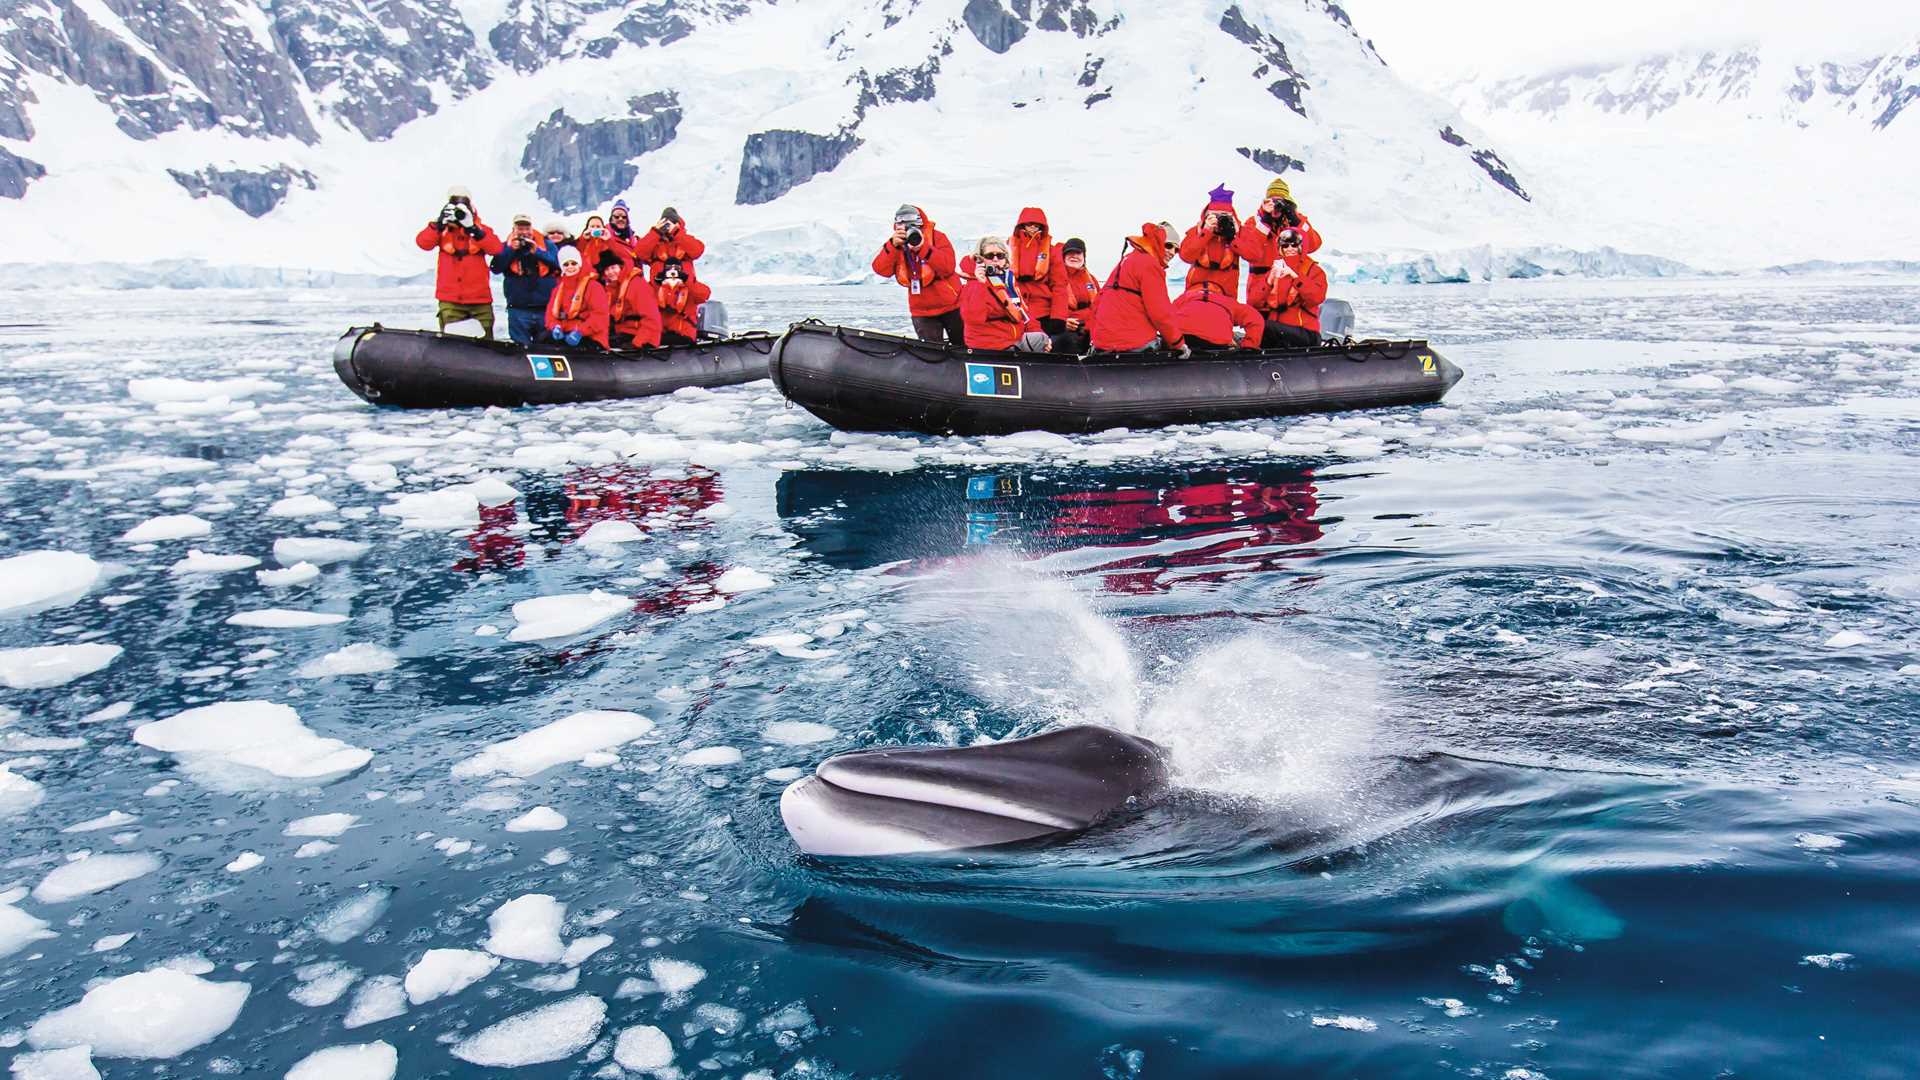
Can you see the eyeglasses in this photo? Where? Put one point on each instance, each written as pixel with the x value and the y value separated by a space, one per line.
pixel 995 256
pixel 1289 243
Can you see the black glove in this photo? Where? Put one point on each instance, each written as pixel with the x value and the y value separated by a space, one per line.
pixel 436 226
pixel 475 231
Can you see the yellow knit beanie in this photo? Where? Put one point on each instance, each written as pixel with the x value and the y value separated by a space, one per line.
pixel 1278 190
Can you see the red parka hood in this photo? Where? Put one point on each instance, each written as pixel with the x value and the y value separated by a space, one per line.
pixel 1033 215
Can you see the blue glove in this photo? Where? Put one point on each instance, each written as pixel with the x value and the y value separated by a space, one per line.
pixel 556 333
pixel 573 337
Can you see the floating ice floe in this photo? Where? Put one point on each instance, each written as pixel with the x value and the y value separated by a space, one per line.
pixel 444 972
pixel 298 574
pixel 1766 384
pixel 167 527
pixel 112 819
pixel 1346 1023
pixel 202 562
pixel 538 819
pixel 73 1063
pixel 1777 595
pixel 322 984
pixel 318 550
pixel 90 874
pixel 357 1061
pixel 328 825
pixel 710 756
pixel 353 916
pixel 285 619
pixel 643 1048
pixel 741 579
pixel 42 580
pixel 1833 961
pixel 244 862
pixel 571 739
pixel 237 744
pixel 455 507
pixel 797 732
pixel 1847 639
pixel 17 793
pixel 1813 841
pixel 610 534
pixel 675 976
pixel 19 930
pixel 550 1033
pixel 43 666
pixel 1710 431
pixel 161 1013
pixel 299 506
pixel 362 659
pixel 379 998
pixel 527 928
pixel 155 391
pixel 580 950
pixel 565 615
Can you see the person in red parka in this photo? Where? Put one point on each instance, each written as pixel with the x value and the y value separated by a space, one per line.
pixel 679 298
pixel 1134 312
pixel 1258 240
pixel 996 314
pixel 1033 256
pixel 462 282
pixel 668 241
pixel 1290 302
pixel 1209 315
pixel 633 315
pixel 921 259
pixel 577 311
pixel 596 239
pixel 1208 247
pixel 1074 293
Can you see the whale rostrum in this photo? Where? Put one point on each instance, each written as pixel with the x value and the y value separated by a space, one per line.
pixel 901 800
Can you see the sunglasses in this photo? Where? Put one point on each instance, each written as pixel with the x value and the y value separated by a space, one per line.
pixel 995 256
pixel 1289 243
pixel 570 262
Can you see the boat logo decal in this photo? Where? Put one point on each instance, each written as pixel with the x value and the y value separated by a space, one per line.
pixel 993 487
pixel 550 368
pixel 1427 366
pixel 993 380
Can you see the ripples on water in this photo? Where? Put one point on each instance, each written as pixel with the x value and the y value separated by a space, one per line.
pixel 1564 730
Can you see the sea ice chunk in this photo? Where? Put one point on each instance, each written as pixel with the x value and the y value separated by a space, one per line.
pixel 160 1013
pixel 42 666
pixel 550 1033
pixel 91 874
pixel 1847 639
pixel 167 527
pixel 1346 1023
pixel 564 615
pixel 580 950
pixel 19 930
pixel 675 976
pixel 285 619
pixel 454 507
pixel 322 984
pixel 73 1063
pixel 318 550
pixel 608 534
pixel 379 998
pixel 353 916
pixel 565 740
pixel 538 819
pixel 202 562
pixel 527 928
pixel 301 506
pixel 741 579
pixel 112 819
pixel 358 1061
pixel 643 1048
pixel 320 825
pixel 443 972
pixel 40 580
pixel 298 574
pixel 797 732
pixel 17 793
pixel 708 756
pixel 1813 841
pixel 154 391
pixel 244 862
pixel 361 659
pixel 233 741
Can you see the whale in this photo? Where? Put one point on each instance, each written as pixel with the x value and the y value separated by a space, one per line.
pixel 906 800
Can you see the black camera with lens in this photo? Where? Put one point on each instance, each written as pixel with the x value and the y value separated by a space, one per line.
pixel 455 213
pixel 915 236
pixel 1224 226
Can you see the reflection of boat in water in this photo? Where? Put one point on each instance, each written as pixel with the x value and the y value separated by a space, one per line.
pixel 1170 525
pixel 860 380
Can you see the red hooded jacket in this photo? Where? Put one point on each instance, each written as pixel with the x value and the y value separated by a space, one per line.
pixel 634 311
pixel 591 247
pixel 1210 314
pixel 654 250
pixel 462 276
pixel 569 310
pixel 991 323
pixel 934 289
pixel 1211 259
pixel 1295 300
pixel 1075 292
pixel 1034 261
pixel 1261 249
pixel 1133 304
pixel 680 306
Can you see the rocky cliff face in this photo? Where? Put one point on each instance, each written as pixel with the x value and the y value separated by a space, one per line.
pixel 424 49
pixel 579 166
pixel 775 162
pixel 256 193
pixel 16 173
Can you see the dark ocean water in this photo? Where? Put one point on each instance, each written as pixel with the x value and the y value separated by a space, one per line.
pixel 1566 730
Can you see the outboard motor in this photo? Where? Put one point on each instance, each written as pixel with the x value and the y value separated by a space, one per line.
pixel 713 319
pixel 1336 320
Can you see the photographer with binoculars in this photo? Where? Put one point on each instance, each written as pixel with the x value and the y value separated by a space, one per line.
pixel 921 259
pixel 462 284
pixel 1209 248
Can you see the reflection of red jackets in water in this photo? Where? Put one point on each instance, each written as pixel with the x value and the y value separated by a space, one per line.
pixel 623 493
pixel 494 543
pixel 1247 516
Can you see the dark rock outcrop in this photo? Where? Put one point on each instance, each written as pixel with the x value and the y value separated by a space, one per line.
pixel 899 84
pixel 580 166
pixel 375 63
pixel 16 173
pixel 254 192
pixel 1271 160
pixel 1487 160
pixel 1287 85
pixel 535 33
pixel 994 26
pixel 775 162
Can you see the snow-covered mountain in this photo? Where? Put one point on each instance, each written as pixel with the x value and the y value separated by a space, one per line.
pixel 1742 155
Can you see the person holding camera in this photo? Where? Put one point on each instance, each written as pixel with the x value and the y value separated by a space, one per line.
pixel 1291 294
pixel 668 241
pixel 577 313
pixel 528 271
pixel 1258 242
pixel 1134 312
pixel 1035 259
pixel 1208 248
pixel 461 283
pixel 595 238
pixel 1209 317
pixel 993 312
pixel 679 298
pixel 1074 294
pixel 633 315
pixel 921 259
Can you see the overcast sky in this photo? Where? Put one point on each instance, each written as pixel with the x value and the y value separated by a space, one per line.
pixel 1434 41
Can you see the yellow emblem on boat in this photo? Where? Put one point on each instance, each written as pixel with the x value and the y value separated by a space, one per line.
pixel 1427 366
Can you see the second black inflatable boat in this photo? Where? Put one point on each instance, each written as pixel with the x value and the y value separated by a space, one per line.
pixel 418 369
pixel 862 380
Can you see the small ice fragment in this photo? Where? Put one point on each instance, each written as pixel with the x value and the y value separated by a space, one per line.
pixel 111 820
pixel 17 793
pixel 1847 639
pixel 361 659
pixel 318 550
pixel 538 819
pixel 580 949
pixel 609 534
pixel 1452 1007
pixel 322 984
pixel 358 1061
pixel 160 1013
pixel 1346 1023
pixel 1778 595
pixel 285 619
pixel 114 711
pixel 19 930
pixel 73 1063
pixel 379 998
pixel 556 983
pixel 565 740
pixel 527 928
pixel 549 1033
pixel 320 825
pixel 643 1048
pixel 245 861
pixel 1813 841
pixel 233 742
pixel 167 527
pixel 1508 637
pixel 797 732
pixel 711 756
pixel 42 666
pixel 565 615
pixel 784 774
pixel 91 874
pixel 1834 961
pixel 353 916
pixel 202 562
pixel 41 580
pixel 444 972
pixel 557 857
pixel 298 574
pixel 111 942
pixel 314 848
pixel 675 976
pixel 741 579
pixel 296 506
